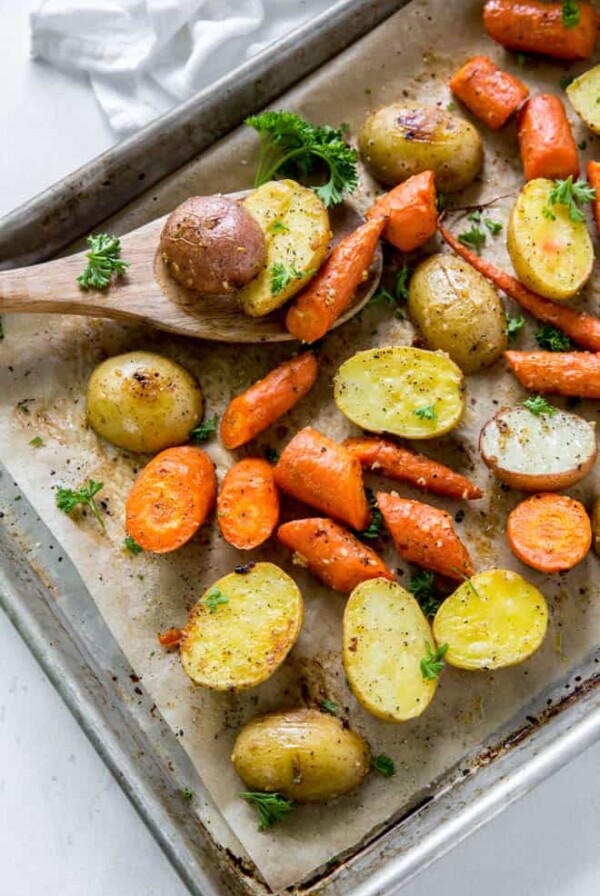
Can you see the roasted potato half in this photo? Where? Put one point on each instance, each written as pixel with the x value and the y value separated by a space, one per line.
pixel 242 629
pixel 583 93
pixel 143 402
pixel 410 392
pixel 305 755
pixel 544 453
pixel 403 139
pixel 552 254
pixel 458 312
pixel 492 620
pixel 296 227
pixel 385 636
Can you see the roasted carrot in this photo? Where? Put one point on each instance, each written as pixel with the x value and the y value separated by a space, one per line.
pixel 397 462
pixel 170 638
pixel 546 143
pixel 411 212
pixel 549 532
pixel 593 176
pixel 323 474
pixel 530 26
pixel 170 499
pixel 491 94
pixel 248 503
pixel 582 328
pixel 267 400
pixel 333 554
pixel 329 293
pixel 425 535
pixel 565 373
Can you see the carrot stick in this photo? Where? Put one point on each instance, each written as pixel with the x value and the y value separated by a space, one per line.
pixel 550 533
pixel 248 504
pixel 399 463
pixel 170 499
pixel 323 474
pixel 565 373
pixel 593 176
pixel 329 293
pixel 491 94
pixel 425 535
pixel 411 210
pixel 546 142
pixel 169 638
pixel 332 553
pixel 267 400
pixel 529 26
pixel 579 326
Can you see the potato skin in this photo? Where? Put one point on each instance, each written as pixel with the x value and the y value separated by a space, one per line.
pixel 212 244
pixel 403 139
pixel 305 755
pixel 143 402
pixel 458 312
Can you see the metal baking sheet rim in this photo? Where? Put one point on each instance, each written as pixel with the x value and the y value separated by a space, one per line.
pixel 88 196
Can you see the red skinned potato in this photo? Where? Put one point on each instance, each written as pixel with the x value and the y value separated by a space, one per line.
pixel 211 244
pixel 544 453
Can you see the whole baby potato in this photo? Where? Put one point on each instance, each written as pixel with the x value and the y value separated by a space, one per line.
pixel 458 312
pixel 213 245
pixel 303 754
pixel 143 402
pixel 403 139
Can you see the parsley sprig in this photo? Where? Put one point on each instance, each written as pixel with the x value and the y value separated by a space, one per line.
pixel 552 340
pixel 398 294
pixel 384 765
pixel 67 499
pixel 473 239
pixel 131 545
pixel 572 194
pixel 433 661
pixel 204 431
pixel 289 145
pixel 282 276
pixel 422 586
pixel 103 261
pixel 538 405
pixel 271 807
pixel 514 325
pixel 570 13
pixel 214 599
pixel 374 527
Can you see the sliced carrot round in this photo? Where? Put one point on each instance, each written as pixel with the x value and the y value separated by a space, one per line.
pixel 170 499
pixel 550 533
pixel 248 505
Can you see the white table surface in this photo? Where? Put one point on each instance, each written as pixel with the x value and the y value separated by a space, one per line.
pixel 65 826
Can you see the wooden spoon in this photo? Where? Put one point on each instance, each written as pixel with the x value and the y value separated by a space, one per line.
pixel 148 293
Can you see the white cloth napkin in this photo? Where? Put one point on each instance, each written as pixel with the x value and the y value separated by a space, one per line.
pixel 145 56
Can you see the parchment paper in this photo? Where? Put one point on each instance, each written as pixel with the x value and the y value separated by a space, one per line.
pixel 48 361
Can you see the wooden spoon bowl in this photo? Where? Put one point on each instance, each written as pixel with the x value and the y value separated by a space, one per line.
pixel 149 294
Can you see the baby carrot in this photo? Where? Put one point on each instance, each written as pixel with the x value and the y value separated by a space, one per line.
pixel 411 212
pixel 329 293
pixel 170 499
pixel 582 328
pixel 549 532
pixel 565 373
pixel 530 26
pixel 425 535
pixel 170 638
pixel 546 143
pixel 332 553
pixel 593 176
pixel 323 474
pixel 267 400
pixel 491 94
pixel 248 503
pixel 399 463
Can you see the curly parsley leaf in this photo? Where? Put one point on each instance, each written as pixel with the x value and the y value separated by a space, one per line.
pixel 433 661
pixel 422 586
pixel 383 765
pixel 571 13
pixel 473 239
pixel 271 807
pixel 553 340
pixel 282 276
pixel 204 431
pixel 103 261
pixel 278 227
pixel 214 599
pixel 494 227
pixel 131 545
pixel 330 707
pixel 67 499
pixel 571 194
pixel 36 442
pixel 514 325
pixel 376 517
pixel 538 405
pixel 291 146
pixel 427 412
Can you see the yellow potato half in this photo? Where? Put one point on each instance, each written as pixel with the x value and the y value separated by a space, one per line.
pixel 583 93
pixel 494 619
pixel 551 254
pixel 296 227
pixel 409 392
pixel 242 629
pixel 384 640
